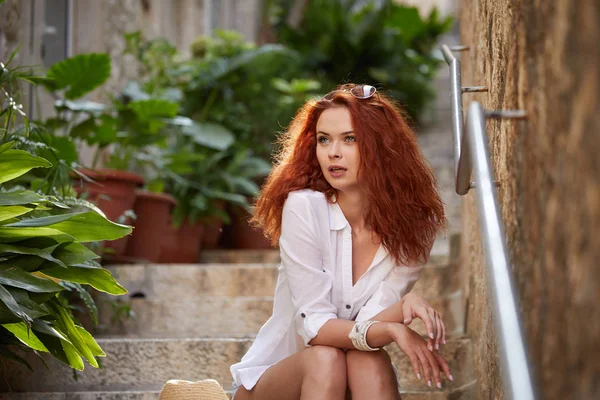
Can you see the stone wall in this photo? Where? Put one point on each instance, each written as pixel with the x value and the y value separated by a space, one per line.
pixel 543 57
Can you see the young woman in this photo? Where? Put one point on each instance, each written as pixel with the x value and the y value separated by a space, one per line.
pixel 354 207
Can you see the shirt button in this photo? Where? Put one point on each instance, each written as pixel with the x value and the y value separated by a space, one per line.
pixel 348 306
pixel 303 315
pixel 323 270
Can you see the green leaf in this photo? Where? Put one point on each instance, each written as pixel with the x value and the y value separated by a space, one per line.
pixel 9 212
pixel 44 327
pixel 90 342
pixel 10 302
pixel 242 185
pixel 26 336
pixel 65 149
pixel 254 167
pixel 84 129
pixel 86 297
pixel 229 197
pixel 75 253
pixel 84 227
pixel 6 146
pixel 46 254
pixel 14 163
pixel 154 108
pixel 42 221
pixel 24 299
pixel 211 135
pixel 80 74
pixel 407 20
pixel 67 327
pixel 73 356
pixel 99 278
pixel 19 197
pixel 27 263
pixel 12 276
pixel 55 347
pixel 11 234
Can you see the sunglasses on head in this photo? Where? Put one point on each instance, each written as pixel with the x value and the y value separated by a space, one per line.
pixel 358 91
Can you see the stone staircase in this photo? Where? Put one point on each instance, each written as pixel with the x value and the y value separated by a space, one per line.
pixel 194 321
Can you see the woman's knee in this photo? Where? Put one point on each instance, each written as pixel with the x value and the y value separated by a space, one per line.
pixel 375 367
pixel 374 359
pixel 325 363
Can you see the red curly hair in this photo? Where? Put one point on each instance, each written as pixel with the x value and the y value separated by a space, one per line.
pixel 405 209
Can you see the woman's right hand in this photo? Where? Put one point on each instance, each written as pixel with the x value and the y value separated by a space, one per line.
pixel 415 347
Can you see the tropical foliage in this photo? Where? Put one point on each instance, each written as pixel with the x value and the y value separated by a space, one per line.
pixel 44 233
pixel 379 42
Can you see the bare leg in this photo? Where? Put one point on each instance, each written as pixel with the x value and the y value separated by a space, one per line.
pixel 315 373
pixel 371 375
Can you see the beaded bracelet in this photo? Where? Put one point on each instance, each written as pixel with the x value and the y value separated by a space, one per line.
pixel 358 335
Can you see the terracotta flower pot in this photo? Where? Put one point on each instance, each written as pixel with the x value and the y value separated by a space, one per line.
pixel 182 245
pixel 244 236
pixel 153 211
pixel 114 192
pixel 213 229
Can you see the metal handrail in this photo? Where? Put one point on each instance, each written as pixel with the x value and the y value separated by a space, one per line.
pixel 471 153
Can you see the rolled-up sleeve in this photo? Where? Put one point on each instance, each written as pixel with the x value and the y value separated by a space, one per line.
pixel 396 285
pixel 302 262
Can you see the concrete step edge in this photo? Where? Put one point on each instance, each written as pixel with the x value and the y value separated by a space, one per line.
pixel 155 394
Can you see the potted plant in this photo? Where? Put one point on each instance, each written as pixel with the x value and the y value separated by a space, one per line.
pixel 191 174
pixel 91 123
pixel 242 172
pixel 129 125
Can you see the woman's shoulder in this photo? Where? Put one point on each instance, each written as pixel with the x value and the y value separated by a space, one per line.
pixel 306 195
pixel 306 200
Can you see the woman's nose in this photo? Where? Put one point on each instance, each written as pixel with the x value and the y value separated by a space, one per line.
pixel 334 151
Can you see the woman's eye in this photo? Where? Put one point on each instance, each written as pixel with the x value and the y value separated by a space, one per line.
pixel 322 139
pixel 350 139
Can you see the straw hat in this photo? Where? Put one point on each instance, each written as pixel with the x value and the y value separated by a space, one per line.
pixel 207 389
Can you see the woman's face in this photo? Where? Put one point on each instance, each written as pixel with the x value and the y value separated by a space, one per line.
pixel 337 150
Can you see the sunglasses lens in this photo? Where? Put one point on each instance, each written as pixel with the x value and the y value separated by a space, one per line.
pixel 363 91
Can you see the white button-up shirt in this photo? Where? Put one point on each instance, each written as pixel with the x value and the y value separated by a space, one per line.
pixel 315 283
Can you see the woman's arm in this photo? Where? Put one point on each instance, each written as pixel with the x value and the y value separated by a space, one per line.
pixel 334 333
pixel 301 261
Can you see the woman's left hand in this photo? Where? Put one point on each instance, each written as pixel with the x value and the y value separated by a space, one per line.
pixel 415 306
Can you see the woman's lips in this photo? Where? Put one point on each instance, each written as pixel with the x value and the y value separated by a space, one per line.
pixel 337 172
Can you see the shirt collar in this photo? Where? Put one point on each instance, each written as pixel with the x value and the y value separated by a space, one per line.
pixel 337 220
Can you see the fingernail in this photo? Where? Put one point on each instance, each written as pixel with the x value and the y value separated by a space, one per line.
pixel 431 335
pixel 405 321
pixel 444 341
pixel 437 346
pixel 439 385
pixel 451 378
pixel 429 383
pixel 419 376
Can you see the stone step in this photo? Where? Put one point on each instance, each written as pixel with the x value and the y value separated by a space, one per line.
pixel 126 395
pixel 228 316
pixel 146 364
pixel 239 256
pixel 254 279
pixel 229 300
pixel 466 392
pixel 439 255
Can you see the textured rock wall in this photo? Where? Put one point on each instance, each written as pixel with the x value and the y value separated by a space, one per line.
pixel 543 57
